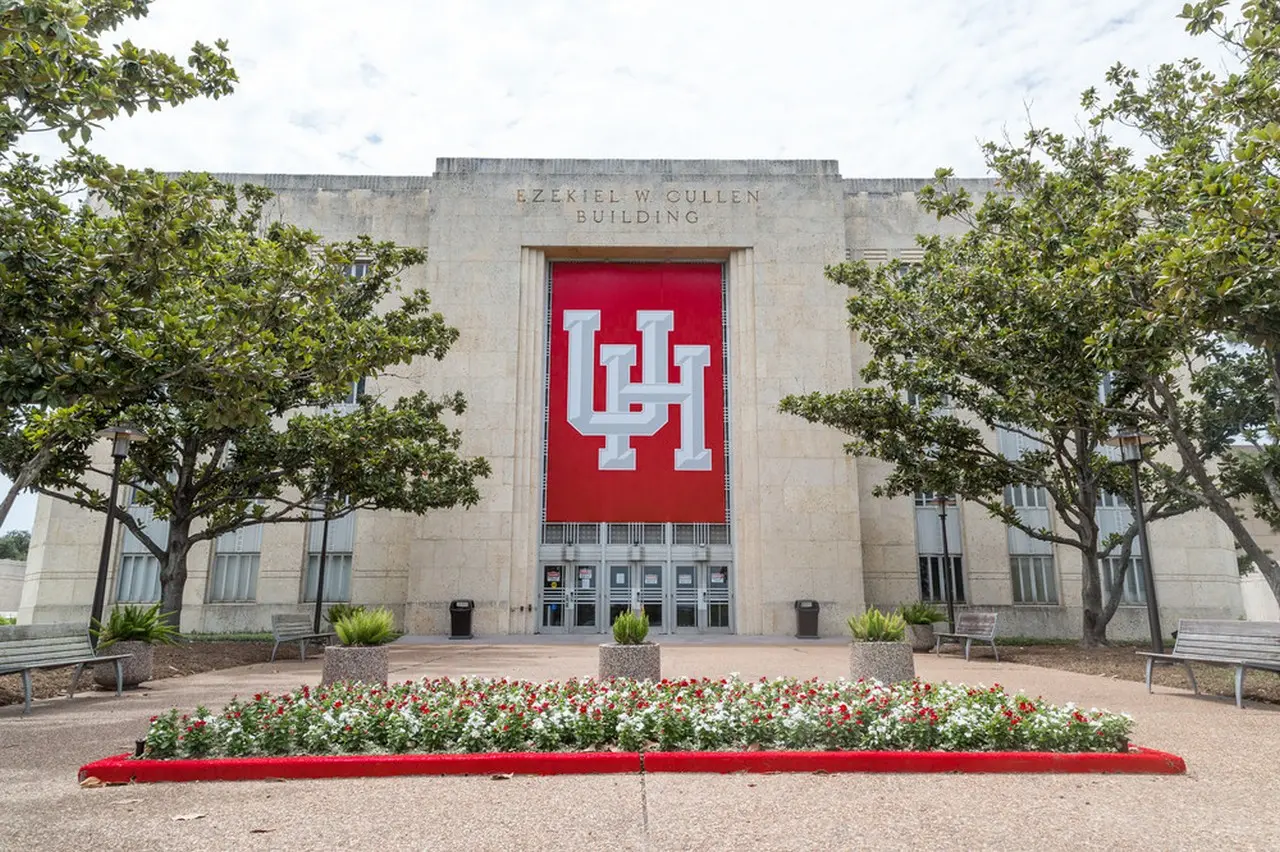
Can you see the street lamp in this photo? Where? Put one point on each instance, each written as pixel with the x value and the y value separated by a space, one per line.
pixel 1130 442
pixel 941 501
pixel 324 553
pixel 121 436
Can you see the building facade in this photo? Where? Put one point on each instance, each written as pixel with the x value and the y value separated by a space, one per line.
pixel 627 330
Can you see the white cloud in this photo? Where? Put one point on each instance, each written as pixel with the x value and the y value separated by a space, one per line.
pixel 888 89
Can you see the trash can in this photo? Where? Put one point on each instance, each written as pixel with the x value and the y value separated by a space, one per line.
pixel 460 619
pixel 806 619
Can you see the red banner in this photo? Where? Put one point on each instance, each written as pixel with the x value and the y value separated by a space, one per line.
pixel 636 420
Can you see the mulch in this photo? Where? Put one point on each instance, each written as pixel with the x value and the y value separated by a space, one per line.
pixel 1122 662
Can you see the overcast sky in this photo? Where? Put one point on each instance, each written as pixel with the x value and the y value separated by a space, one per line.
pixel 889 89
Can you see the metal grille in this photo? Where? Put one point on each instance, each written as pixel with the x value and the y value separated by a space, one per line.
pixel 235 565
pixel 139 578
pixel 1133 592
pixel 337 577
pixel 1034 581
pixel 931 588
pixel 700 534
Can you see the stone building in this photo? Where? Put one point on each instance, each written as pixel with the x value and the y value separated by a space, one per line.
pixel 676 486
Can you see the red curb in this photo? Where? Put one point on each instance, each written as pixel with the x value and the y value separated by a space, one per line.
pixel 1137 761
pixel 123 770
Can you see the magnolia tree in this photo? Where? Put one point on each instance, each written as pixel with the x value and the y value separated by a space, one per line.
pixel 991 333
pixel 75 297
pixel 260 329
pixel 1197 284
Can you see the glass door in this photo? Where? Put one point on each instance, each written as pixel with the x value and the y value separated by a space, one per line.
pixel 653 596
pixel 701 599
pixel 688 598
pixel 622 592
pixel 585 596
pixel 554 598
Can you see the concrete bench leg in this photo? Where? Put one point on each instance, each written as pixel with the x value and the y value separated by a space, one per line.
pixel 1150 665
pixel 302 649
pixel 1191 676
pixel 1240 687
pixel 275 648
pixel 26 691
pixel 968 643
pixel 119 678
pixel 994 651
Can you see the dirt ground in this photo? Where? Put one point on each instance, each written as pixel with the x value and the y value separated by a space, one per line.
pixel 1119 662
pixel 171 661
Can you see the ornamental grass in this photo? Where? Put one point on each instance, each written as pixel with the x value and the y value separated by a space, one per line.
pixel 501 715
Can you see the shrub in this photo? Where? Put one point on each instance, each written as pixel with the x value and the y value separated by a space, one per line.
pixel 132 623
pixel 631 628
pixel 920 613
pixel 366 627
pixel 339 611
pixel 7 619
pixel 876 626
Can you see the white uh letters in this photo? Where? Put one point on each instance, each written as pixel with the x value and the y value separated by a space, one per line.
pixel 618 423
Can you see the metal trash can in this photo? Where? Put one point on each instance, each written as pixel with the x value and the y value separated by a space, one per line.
pixel 460 619
pixel 806 619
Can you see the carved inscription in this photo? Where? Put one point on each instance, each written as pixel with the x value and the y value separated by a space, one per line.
pixel 616 206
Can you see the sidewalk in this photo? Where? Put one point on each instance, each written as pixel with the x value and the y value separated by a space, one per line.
pixel 1227 799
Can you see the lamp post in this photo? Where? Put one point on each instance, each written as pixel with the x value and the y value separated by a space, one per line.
pixel 941 501
pixel 1130 442
pixel 121 436
pixel 324 553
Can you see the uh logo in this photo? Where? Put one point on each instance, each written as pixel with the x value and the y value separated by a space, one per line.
pixel 618 423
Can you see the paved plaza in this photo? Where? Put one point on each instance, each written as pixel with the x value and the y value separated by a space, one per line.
pixel 1229 798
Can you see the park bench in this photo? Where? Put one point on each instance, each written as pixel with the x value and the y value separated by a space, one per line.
pixel 970 626
pixel 51 646
pixel 1242 644
pixel 295 628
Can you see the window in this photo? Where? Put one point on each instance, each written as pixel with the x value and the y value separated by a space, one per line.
pixel 138 575
pixel 237 554
pixel 337 564
pixel 1026 497
pixel 1133 592
pixel 359 269
pixel 931 579
pixel 929 548
pixel 1034 580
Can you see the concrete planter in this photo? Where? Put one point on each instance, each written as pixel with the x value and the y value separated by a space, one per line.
pixel 920 636
pixel 367 664
pixel 887 662
pixel 637 662
pixel 137 669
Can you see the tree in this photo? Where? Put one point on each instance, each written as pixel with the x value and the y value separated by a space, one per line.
pixel 262 328
pixel 1198 284
pixel 990 333
pixel 67 286
pixel 14 544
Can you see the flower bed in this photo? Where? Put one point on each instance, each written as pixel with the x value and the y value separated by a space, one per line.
pixel 486 715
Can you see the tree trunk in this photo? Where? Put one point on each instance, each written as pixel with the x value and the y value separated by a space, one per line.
pixel 1094 626
pixel 1213 497
pixel 26 475
pixel 173 573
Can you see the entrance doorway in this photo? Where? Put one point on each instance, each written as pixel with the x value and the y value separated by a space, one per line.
pixel 680 593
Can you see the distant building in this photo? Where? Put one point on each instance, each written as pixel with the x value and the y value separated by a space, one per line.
pixel 628 328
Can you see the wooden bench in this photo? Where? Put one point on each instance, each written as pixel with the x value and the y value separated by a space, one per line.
pixel 51 646
pixel 295 628
pixel 1242 644
pixel 970 626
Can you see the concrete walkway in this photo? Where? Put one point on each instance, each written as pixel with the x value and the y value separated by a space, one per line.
pixel 1230 797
